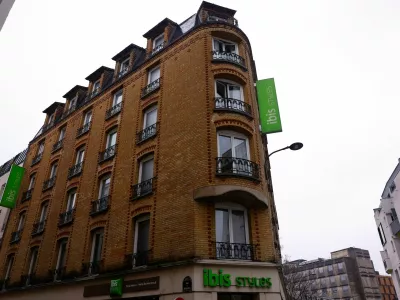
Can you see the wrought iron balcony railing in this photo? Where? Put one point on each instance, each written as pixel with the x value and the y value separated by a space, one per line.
pixel 84 129
pixel 146 133
pixel 66 217
pixel 26 196
pixel 234 105
pixel 153 86
pixel 57 146
pixel 108 153
pixel 37 159
pixel 143 188
pixel 232 21
pixel 137 259
pixel 38 227
pixel 99 206
pixel 113 110
pixel 75 170
pixel 236 251
pixel 48 184
pixel 223 56
pixel 123 72
pixel 16 236
pixel 158 49
pixel 233 166
pixel 92 268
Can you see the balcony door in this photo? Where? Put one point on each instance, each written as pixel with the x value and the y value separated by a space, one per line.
pixel 154 74
pixel 104 189
pixel 32 264
pixel 141 242
pixel 80 155
pixel 53 171
pixel 71 200
pixel 150 117
pixel 228 89
pixel 88 118
pixel 117 98
pixel 225 46
pixel 62 254
pixel 111 138
pixel 43 211
pixel 96 255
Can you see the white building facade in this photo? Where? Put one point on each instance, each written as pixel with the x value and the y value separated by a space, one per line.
pixel 387 222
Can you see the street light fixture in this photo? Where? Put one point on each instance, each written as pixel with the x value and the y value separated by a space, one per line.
pixel 295 146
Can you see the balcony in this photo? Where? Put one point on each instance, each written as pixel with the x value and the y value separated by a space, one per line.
pixel 143 189
pixel 84 129
pixel 146 133
pixel 26 196
pixel 114 110
pixel 99 206
pixel 216 19
pixel 155 85
pixel 38 228
pixel 229 57
pixel 386 262
pixel 108 153
pixel 92 268
pixel 16 236
pixel 66 218
pixel 75 170
pixel 395 226
pixel 48 184
pixel 236 251
pixel 232 105
pixel 240 167
pixel 137 259
pixel 37 159
pixel 158 49
pixel 57 146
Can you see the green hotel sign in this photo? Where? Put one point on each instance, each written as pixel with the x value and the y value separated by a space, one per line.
pixel 220 279
pixel 116 287
pixel 268 106
pixel 12 187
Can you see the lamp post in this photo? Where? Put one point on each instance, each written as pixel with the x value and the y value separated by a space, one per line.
pixel 294 147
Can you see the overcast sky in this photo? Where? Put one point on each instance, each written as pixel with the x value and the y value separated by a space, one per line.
pixel 336 66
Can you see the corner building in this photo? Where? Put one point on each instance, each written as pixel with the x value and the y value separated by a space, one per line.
pixel 155 175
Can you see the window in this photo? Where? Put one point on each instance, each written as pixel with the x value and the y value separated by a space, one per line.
pixel 150 117
pixel 332 280
pixel 51 119
pixel 321 270
pixel 228 89
pixel 124 66
pixel 104 189
pixel 146 169
pixel 72 103
pixel 96 87
pixel 154 74
pixel 61 134
pixel 141 240
pixel 71 200
pixel 10 262
pixel 158 41
pixel 394 214
pixel 53 170
pixel 40 148
pixel 393 247
pixel 117 98
pixel 111 138
pixel 225 46
pixel 392 187
pixel 340 266
pixel 43 211
pixel 3 187
pixel 61 257
pixel 323 282
pixel 334 291
pixel 97 247
pixel 343 277
pixel 80 155
pixel 330 268
pixel 381 234
pixel 21 221
pixel 87 118
pixel 232 144
pixel 32 263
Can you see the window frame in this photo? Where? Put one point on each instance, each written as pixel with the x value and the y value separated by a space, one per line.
pixel 95 233
pixel 232 83
pixel 142 161
pixel 151 71
pixel 53 169
pixel 382 234
pixel 109 134
pixel 33 259
pixel 68 204
pixel 85 118
pixel 122 64
pixel 148 111
pixel 43 211
pixel 96 83
pixel 233 135
pixel 162 35
pixel 61 242
pixel 101 185
pixel 233 206
pixel 61 134
pixel 32 180
pixel 224 43
pixel 10 262
pixel 72 103
pixel 139 219
pixel 80 155
pixel 21 220
pixel 40 148
pixel 115 97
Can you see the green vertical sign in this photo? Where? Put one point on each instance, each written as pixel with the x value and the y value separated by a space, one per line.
pixel 12 187
pixel 116 287
pixel 268 106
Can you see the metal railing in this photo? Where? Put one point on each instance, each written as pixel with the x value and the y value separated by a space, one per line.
pixel 27 195
pixel 37 159
pixel 75 170
pixel 38 227
pixel 236 251
pixel 143 188
pixel 48 184
pixel 151 87
pixel 95 92
pixel 234 105
pixel 113 110
pixel 146 133
pixel 228 57
pixel 233 166
pixel 84 129
pixel 123 72
pixel 16 236
pixel 66 217
pixel 57 146
pixel 138 259
pixel 92 268
pixel 108 153
pixel 100 205
pixel 230 20
pixel 158 48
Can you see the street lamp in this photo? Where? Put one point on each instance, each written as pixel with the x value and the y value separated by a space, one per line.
pixel 294 147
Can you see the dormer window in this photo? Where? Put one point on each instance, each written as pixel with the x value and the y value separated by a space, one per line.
pixel 96 88
pixel 158 43
pixel 51 119
pixel 72 103
pixel 124 68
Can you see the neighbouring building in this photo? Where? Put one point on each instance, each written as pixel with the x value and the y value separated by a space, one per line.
pixel 4 173
pixel 348 274
pixel 5 7
pixel 153 181
pixel 388 226
pixel 386 287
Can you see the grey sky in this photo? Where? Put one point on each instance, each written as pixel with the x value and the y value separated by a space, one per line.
pixel 336 66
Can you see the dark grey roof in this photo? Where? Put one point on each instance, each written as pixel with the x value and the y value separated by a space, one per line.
pixel 18 159
pixel 72 92
pixel 216 8
pixel 96 74
pixel 158 29
pixel 125 53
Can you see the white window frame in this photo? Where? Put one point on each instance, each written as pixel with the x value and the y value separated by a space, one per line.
pixel 71 193
pixel 126 61
pixel 80 155
pixel 9 265
pixel 62 134
pixel 120 92
pixel 60 244
pixel 161 36
pixel 142 161
pixel 33 260
pixel 150 72
pixel 234 206
pixel 21 221
pixel 229 82
pixel 3 187
pixel 109 134
pixel 87 119
pixel 95 232
pixel 51 118
pixel 32 180
pixel 225 42
pixel 43 211
pixel 151 109
pixel 72 103
pixel 40 148
pixel 137 221
pixel 96 83
pixel 232 135
pixel 101 187
pixel 53 170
